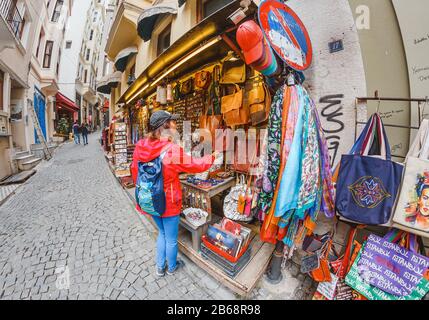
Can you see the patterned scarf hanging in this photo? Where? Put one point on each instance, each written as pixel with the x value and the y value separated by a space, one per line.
pixel 298 179
pixel 273 153
pixel 328 202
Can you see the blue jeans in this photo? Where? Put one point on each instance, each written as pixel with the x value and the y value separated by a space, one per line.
pixel 166 246
pixel 85 138
pixel 76 138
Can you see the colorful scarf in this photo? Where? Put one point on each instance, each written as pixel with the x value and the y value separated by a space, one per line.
pixel 288 192
pixel 273 153
pixel 328 202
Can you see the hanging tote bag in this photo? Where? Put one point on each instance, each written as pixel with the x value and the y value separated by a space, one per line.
pixel 233 110
pixel 412 209
pixel 385 270
pixel 367 186
pixel 233 71
pixel 211 123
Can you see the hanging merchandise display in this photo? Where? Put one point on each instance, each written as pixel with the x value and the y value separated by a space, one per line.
pixel 235 201
pixel 412 212
pixel 286 34
pixel 187 87
pixel 367 186
pixel 302 176
pixel 257 53
pixel 169 93
pixel 259 101
pixel 336 288
pixel 233 72
pixel 390 268
pixel 202 79
pixel 233 110
pixel 161 95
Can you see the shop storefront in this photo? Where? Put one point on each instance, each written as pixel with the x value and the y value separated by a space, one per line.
pixel 66 112
pixel 241 70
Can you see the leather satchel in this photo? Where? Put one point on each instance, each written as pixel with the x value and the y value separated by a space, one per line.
pixel 233 110
pixel 187 87
pixel 203 79
pixel 233 72
pixel 210 123
pixel 259 104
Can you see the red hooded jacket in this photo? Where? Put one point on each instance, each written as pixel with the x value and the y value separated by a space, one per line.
pixel 174 162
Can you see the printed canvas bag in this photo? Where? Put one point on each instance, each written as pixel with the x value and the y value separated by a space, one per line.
pixel 412 209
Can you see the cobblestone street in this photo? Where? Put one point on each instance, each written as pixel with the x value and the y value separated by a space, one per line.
pixel 70 232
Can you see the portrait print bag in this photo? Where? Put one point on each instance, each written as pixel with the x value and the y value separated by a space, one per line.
pixel 412 209
pixel 367 186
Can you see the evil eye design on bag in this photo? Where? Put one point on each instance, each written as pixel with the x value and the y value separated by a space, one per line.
pixel 368 192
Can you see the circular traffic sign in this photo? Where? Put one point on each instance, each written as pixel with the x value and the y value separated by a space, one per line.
pixel 286 33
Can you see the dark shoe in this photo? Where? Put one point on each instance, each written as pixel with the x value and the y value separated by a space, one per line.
pixel 160 272
pixel 179 265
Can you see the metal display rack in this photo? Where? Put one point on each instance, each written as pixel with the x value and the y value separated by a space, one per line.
pixel 420 101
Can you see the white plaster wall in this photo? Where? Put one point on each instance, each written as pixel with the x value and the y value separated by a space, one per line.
pixel 334 80
pixel 70 57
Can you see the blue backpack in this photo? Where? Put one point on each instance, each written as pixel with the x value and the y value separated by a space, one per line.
pixel 150 194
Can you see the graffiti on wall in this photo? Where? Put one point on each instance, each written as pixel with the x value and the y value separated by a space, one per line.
pixel 331 112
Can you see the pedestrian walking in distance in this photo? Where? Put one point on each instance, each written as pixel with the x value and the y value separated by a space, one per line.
pixel 76 132
pixel 84 130
pixel 157 153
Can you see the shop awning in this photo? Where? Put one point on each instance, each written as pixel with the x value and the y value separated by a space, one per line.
pixel 108 82
pixel 121 59
pixel 147 19
pixel 62 102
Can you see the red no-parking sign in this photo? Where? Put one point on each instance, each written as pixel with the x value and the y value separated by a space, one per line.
pixel 286 33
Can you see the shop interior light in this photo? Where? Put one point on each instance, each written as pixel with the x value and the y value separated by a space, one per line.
pixel 187 58
pixel 138 93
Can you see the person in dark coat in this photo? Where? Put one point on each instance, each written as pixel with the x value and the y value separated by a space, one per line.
pixel 76 132
pixel 84 131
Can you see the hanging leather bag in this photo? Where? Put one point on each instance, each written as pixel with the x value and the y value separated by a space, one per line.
pixel 259 104
pixel 210 123
pixel 187 87
pixel 233 110
pixel 233 72
pixel 202 79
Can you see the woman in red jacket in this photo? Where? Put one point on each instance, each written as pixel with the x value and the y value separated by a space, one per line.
pixel 174 162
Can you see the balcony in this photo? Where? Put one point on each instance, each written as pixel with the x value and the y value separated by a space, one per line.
pixel 13 18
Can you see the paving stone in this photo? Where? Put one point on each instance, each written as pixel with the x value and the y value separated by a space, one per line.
pixel 69 241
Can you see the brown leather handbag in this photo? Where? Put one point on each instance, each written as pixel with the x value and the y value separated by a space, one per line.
pixel 210 123
pixel 202 79
pixel 233 72
pixel 187 86
pixel 259 103
pixel 250 158
pixel 233 110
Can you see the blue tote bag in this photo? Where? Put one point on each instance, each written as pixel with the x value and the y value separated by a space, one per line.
pixel 367 186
